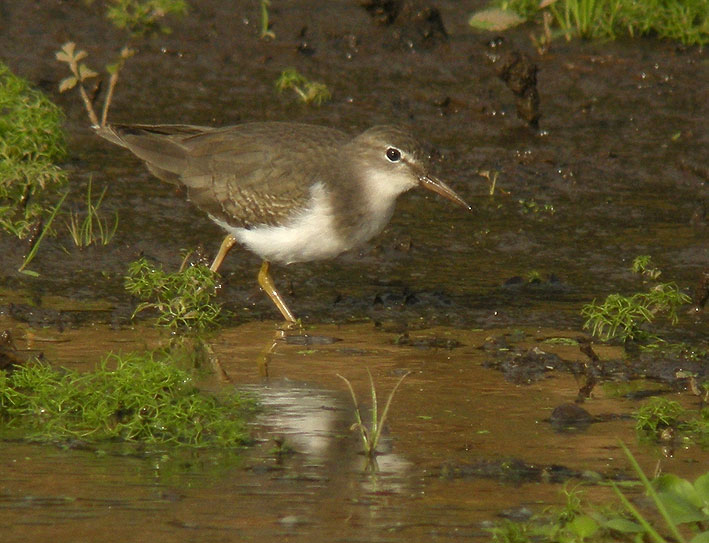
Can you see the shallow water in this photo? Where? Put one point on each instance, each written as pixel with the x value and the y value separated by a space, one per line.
pixel 620 158
pixel 440 473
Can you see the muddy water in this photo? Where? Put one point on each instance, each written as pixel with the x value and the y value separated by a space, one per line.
pixel 462 446
pixel 439 475
pixel 619 162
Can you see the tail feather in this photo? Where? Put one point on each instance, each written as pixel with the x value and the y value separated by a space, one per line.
pixel 159 146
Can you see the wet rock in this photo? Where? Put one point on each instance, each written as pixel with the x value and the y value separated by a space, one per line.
pixel 570 417
pixel 701 292
pixel 519 73
pixel 527 366
pixel 307 339
pixel 433 342
pixel 9 355
pixel 415 24
pixel 510 471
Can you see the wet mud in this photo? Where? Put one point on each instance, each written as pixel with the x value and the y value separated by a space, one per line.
pixel 607 161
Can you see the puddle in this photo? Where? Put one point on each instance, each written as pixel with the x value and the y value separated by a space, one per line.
pixel 462 445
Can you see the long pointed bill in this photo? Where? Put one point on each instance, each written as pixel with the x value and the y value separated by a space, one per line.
pixel 439 187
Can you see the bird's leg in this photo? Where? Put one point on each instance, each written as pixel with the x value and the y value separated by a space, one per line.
pixel 227 244
pixel 264 279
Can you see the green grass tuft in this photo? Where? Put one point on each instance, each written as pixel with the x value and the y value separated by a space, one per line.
pixel 31 143
pixel 182 300
pixel 136 398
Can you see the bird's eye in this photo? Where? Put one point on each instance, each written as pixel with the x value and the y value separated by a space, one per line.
pixel 393 154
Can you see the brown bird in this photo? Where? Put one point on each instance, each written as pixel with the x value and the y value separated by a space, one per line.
pixel 288 192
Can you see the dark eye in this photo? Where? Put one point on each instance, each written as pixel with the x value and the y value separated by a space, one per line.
pixel 393 154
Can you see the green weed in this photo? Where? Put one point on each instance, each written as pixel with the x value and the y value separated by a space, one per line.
pixel 686 21
pixel 135 398
pixel 644 265
pixel 620 317
pixel 141 17
pixel 657 415
pixel 45 230
pixel 310 92
pixel 266 31
pixel 678 502
pixel 31 144
pixel 182 300
pixel 370 436
pixel 92 229
pixel 82 73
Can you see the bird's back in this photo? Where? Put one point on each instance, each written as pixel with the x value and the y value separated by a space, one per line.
pixel 242 175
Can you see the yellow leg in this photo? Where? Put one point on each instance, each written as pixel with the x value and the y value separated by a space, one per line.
pixel 227 244
pixel 264 279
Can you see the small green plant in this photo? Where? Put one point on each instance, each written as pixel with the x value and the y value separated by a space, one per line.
pixel 531 206
pixel 644 265
pixel 370 436
pixel 657 415
pixel 620 317
pixel 82 73
pixel 92 229
pixel 45 230
pixel 310 92
pixel 138 17
pixel 677 500
pixel 686 21
pixel 31 144
pixel 266 31
pixel 134 398
pixel 661 419
pixel 583 18
pixel 141 17
pixel 182 300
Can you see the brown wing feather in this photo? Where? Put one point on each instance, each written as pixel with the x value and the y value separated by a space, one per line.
pixel 243 175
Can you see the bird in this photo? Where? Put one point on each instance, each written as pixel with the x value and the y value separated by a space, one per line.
pixel 288 192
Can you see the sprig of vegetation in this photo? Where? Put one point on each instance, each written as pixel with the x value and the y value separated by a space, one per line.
pixel 92 228
pixel 686 21
pixel 45 231
pixel 644 265
pixel 370 436
pixel 678 502
pixel 266 31
pixel 135 398
pixel 82 73
pixel 310 92
pixel 182 300
pixel 31 144
pixel 620 317
pixel 141 17
pixel 661 419
pixel 656 416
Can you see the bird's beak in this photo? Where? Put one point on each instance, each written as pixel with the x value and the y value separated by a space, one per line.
pixel 439 187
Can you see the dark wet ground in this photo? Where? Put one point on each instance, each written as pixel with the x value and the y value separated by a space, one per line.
pixel 620 156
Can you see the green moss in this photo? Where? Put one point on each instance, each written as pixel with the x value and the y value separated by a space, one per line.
pixel 31 142
pixel 140 17
pixel 184 299
pixel 137 398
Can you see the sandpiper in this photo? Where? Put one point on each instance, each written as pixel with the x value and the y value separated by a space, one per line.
pixel 288 192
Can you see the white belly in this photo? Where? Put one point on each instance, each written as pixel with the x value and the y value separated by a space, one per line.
pixel 310 235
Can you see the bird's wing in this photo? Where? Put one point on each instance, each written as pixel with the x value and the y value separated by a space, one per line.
pixel 242 175
pixel 256 173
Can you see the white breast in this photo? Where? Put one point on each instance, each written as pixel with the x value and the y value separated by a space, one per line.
pixel 309 235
